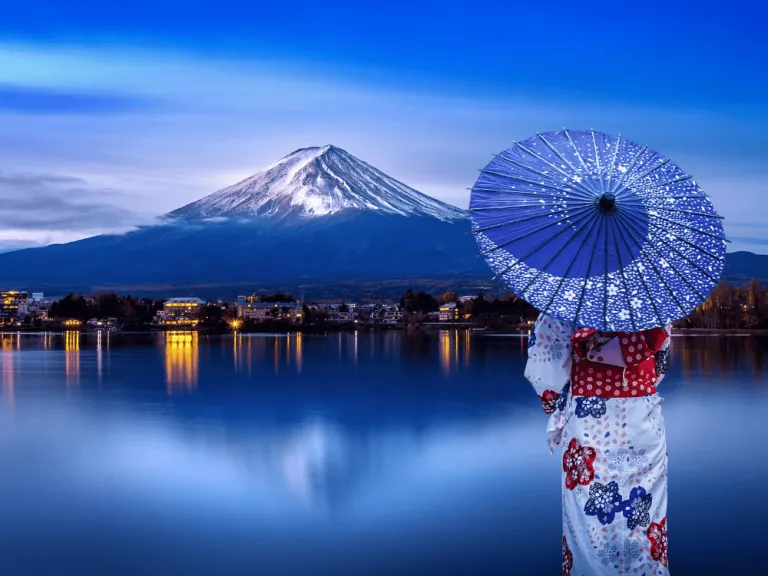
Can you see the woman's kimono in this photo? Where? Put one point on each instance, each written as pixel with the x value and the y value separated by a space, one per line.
pixel 600 389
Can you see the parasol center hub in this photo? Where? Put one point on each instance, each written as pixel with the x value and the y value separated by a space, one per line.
pixel 607 203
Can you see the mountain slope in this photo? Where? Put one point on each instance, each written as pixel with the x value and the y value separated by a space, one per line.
pixel 317 182
pixel 350 247
pixel 740 267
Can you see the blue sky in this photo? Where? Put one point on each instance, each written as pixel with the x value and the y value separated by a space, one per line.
pixel 111 115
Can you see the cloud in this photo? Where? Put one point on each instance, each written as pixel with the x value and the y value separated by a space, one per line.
pixel 759 240
pixel 37 179
pixel 45 208
pixel 34 100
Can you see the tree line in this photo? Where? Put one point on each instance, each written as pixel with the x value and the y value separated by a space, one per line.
pixel 492 312
pixel 730 307
pixel 127 309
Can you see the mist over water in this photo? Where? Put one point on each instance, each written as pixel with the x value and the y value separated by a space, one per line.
pixel 341 454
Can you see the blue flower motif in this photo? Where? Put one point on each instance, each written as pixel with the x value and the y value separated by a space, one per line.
pixel 637 508
pixel 616 459
pixel 594 406
pixel 563 398
pixel 604 502
pixel 532 340
pixel 609 553
pixel 637 458
pixel 631 553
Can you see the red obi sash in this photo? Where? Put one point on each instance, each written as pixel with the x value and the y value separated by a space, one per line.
pixel 615 364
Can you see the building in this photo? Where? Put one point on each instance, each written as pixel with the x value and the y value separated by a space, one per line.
pixel 292 312
pixel 341 313
pixel 103 324
pixel 449 312
pixel 390 315
pixel 365 313
pixel 14 306
pixel 38 306
pixel 180 312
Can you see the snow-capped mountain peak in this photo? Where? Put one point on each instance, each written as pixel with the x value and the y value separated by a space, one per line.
pixel 317 181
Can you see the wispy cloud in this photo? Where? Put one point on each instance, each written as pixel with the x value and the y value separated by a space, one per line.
pixel 34 100
pixel 37 180
pixel 46 208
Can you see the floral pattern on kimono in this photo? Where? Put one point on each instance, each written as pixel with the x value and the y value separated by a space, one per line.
pixel 614 489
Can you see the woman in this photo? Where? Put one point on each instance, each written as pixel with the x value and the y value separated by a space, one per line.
pixel 600 389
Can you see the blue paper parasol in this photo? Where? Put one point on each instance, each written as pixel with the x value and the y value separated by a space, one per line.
pixel 598 231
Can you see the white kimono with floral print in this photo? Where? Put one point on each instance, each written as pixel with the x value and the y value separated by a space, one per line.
pixel 614 465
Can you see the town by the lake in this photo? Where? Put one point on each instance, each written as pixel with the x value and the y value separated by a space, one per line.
pixel 729 308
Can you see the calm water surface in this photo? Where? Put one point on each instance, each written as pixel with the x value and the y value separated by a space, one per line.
pixel 352 454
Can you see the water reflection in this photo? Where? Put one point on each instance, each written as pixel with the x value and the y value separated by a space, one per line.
pixel 386 451
pixel 451 344
pixel 72 357
pixel 181 361
pixel 315 464
pixel 9 383
pixel 724 355
pixel 293 350
pixel 237 351
pixel 276 355
pixel 284 352
pixel 47 340
pixel 102 342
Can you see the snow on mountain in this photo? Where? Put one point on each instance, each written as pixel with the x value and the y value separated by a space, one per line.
pixel 314 182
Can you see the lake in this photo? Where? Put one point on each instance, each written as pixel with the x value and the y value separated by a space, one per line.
pixel 367 453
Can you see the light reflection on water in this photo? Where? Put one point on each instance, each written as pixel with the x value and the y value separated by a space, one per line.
pixel 342 454
pixel 181 361
pixel 455 347
pixel 72 357
pixel 8 374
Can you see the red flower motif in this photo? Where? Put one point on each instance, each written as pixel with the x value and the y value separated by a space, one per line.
pixel 657 534
pixel 567 559
pixel 549 400
pixel 578 464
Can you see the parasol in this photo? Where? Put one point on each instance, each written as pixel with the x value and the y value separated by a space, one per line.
pixel 598 231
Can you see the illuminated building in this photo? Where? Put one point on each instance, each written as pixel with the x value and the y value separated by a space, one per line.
pixel 38 306
pixel 448 312
pixel 270 311
pixel 103 324
pixel 13 305
pixel 341 313
pixel 390 315
pixel 180 312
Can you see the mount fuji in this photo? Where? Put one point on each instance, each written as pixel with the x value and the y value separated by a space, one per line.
pixel 319 220
pixel 318 182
